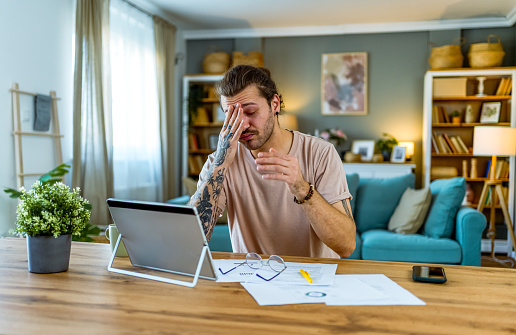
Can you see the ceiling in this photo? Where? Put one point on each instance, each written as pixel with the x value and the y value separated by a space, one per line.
pixel 226 18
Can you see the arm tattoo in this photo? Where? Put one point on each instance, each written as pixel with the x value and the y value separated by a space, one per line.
pixel 346 205
pixel 222 150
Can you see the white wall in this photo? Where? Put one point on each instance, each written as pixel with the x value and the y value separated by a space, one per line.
pixel 36 41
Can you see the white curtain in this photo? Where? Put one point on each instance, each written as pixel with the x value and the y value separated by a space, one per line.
pixel 135 112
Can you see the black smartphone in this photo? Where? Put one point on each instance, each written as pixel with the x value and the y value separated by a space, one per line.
pixel 429 274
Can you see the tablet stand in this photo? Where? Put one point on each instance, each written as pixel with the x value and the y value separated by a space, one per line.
pixel 158 278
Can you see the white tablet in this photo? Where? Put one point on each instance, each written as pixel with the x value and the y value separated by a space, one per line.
pixel 163 237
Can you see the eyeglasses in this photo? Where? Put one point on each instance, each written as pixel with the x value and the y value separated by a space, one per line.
pixel 255 261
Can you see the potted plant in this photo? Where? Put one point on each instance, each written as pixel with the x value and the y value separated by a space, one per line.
pixel 455 117
pixel 49 214
pixel 385 146
pixel 334 136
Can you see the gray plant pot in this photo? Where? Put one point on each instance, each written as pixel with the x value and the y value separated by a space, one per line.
pixel 48 254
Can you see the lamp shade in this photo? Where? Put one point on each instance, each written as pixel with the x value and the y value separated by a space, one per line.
pixel 288 121
pixel 494 141
pixel 409 146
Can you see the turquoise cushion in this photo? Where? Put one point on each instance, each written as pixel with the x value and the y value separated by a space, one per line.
pixel 220 240
pixel 352 180
pixel 377 199
pixel 382 245
pixel 447 196
pixel 182 200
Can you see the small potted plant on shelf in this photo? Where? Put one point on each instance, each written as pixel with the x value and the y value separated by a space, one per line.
pixel 385 146
pixel 49 214
pixel 455 117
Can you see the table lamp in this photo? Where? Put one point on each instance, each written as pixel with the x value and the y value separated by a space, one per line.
pixel 410 149
pixel 494 141
pixel 288 121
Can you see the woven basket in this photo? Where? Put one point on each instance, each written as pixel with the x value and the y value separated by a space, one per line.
pixel 216 62
pixel 486 54
pixel 446 56
pixel 253 58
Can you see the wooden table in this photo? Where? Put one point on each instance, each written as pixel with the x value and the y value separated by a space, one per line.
pixel 87 299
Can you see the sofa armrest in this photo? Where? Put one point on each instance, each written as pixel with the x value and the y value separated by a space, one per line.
pixel 469 225
pixel 182 200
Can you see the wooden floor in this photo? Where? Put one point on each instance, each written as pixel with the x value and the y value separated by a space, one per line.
pixel 500 261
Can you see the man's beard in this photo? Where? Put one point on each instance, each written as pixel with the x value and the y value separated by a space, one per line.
pixel 258 139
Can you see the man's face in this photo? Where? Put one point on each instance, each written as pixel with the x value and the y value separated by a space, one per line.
pixel 258 116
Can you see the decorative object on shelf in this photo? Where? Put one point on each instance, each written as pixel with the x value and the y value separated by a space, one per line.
pixel 410 149
pixel 495 141
pixel 49 214
pixel 398 154
pixel 385 145
pixel 253 58
pixel 446 56
pixel 216 62
pixel 334 136
pixel 377 158
pixel 488 54
pixel 469 115
pixel 474 170
pixel 481 87
pixel 351 157
pixel 465 168
pixel 344 84
pixel 365 148
pixel 455 117
pixel 490 112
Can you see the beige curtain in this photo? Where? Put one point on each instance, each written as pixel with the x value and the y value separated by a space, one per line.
pixel 165 41
pixel 92 139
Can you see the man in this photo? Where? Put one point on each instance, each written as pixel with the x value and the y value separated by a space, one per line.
pixel 285 192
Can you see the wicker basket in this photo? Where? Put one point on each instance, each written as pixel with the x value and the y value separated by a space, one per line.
pixel 216 62
pixel 253 58
pixel 486 54
pixel 447 56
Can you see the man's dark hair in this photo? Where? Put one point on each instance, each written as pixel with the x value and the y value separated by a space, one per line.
pixel 240 77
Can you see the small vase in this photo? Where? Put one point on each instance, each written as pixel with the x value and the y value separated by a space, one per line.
pixel 48 254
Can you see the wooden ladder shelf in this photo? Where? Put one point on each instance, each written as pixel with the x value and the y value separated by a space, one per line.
pixel 18 133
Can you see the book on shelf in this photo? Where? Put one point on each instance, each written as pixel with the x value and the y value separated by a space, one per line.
pixel 443 146
pixel 462 145
pixel 505 86
pixel 450 144
pixel 488 169
pixel 434 145
pixel 457 146
pixel 439 115
pixel 193 143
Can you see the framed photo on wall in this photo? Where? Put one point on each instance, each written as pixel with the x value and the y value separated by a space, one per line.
pixel 490 112
pixel 363 147
pixel 398 154
pixel 344 83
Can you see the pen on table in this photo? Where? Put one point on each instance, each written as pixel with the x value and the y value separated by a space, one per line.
pixel 306 275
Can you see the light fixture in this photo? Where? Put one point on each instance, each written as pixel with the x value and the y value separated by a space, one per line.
pixel 409 152
pixel 288 121
pixel 494 141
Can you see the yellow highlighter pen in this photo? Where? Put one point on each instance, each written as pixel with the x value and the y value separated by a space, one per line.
pixel 306 275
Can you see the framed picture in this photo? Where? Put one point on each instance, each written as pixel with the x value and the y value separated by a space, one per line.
pixel 490 112
pixel 218 113
pixel 344 83
pixel 213 141
pixel 363 147
pixel 398 154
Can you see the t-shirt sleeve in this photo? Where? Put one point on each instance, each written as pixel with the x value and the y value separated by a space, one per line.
pixel 202 177
pixel 330 179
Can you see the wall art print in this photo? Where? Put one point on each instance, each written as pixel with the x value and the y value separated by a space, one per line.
pixel 344 83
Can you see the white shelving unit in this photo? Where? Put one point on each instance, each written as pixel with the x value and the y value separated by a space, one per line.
pixel 507 119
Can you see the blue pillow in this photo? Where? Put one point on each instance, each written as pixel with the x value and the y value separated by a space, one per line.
pixel 377 199
pixel 447 196
pixel 352 180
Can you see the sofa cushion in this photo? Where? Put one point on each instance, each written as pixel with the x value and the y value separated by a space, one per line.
pixel 411 211
pixel 377 199
pixel 352 180
pixel 447 196
pixel 382 245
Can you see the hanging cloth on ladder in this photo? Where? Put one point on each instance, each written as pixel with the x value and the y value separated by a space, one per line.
pixel 42 107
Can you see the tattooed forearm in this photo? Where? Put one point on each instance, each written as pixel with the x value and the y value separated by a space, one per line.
pixel 346 205
pixel 222 149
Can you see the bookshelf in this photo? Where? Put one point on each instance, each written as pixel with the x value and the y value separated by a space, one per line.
pixel 201 123
pixel 447 146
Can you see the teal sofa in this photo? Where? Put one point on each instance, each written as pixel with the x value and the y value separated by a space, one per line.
pixel 451 233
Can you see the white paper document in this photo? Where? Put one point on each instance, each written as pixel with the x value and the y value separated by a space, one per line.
pixel 346 290
pixel 321 274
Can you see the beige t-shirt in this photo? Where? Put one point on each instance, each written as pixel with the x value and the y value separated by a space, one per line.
pixel 262 215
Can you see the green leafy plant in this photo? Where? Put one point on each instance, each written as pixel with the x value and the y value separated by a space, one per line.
pixel 54 176
pixel 386 143
pixel 455 113
pixel 195 96
pixel 51 209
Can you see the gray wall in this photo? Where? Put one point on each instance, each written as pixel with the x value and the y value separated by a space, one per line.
pixel 397 63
